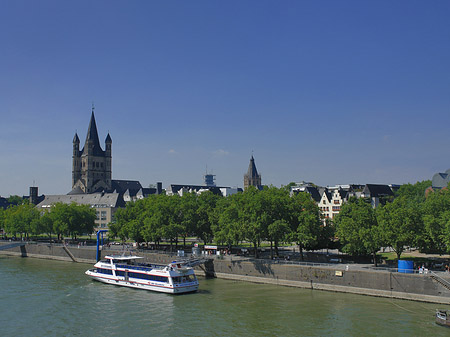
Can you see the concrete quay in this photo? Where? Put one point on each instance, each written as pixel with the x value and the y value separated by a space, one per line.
pixel 353 279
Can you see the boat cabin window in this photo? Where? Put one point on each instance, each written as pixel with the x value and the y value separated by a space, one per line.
pixel 183 279
pixel 143 276
pixel 104 271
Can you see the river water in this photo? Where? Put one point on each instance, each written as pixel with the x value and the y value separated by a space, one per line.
pixel 54 298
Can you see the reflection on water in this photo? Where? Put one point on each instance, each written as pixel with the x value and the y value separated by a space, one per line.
pixel 53 298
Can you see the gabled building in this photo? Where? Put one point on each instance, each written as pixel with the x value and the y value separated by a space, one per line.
pixel 332 200
pixel 143 192
pixel 105 204
pixel 377 193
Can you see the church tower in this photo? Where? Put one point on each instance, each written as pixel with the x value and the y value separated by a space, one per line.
pixel 252 178
pixel 91 167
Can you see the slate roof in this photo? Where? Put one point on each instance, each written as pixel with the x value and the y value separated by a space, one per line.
pixel 4 203
pixel 377 190
pixel 76 190
pixel 313 191
pixel 121 186
pixel 328 194
pixel 94 199
pixel 252 171
pixel 343 193
pixel 441 180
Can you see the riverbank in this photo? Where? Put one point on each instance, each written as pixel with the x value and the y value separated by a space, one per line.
pixel 338 277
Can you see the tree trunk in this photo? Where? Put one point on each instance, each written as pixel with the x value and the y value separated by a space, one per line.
pixel 277 253
pixel 300 246
pixel 375 258
pixel 271 250
pixel 255 244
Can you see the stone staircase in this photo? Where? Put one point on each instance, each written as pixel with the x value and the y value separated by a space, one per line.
pixel 440 280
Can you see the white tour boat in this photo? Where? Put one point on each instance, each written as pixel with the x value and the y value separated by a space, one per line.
pixel 175 278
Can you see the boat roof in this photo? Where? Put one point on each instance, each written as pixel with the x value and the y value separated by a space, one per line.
pixel 123 257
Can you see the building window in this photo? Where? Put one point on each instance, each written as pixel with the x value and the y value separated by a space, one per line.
pixel 103 215
pixel 97 215
pixel 336 202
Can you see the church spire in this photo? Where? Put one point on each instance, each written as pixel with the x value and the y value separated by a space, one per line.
pixel 252 178
pixel 92 137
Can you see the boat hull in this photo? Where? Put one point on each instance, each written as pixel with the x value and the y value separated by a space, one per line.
pixel 442 318
pixel 119 281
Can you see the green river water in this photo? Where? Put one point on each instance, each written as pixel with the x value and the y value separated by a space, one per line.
pixel 53 298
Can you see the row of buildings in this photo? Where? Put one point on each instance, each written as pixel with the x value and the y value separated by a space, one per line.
pixel 92 184
pixel 330 199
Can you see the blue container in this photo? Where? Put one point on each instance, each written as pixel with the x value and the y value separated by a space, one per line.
pixel 405 266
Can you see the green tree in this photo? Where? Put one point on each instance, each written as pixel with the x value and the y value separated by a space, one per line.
pixel 46 224
pixel 278 231
pixel 400 222
pixel 188 213
pixel 21 219
pixel 72 219
pixel 254 218
pixel 414 193
pixel 305 222
pixel 435 234
pixel 16 200
pixel 205 215
pixel 357 229
pixel 226 225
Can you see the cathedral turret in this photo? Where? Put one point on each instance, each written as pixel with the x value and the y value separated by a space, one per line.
pixel 108 143
pixel 76 145
pixel 108 160
pixel 76 160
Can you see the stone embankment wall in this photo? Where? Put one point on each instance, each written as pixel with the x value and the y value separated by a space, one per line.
pixel 52 251
pixel 332 278
pixel 420 287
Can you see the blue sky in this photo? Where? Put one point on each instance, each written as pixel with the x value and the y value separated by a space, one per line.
pixel 332 92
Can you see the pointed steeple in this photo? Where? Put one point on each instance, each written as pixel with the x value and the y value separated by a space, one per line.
pixel 76 139
pixel 252 171
pixel 92 137
pixel 252 178
pixel 92 130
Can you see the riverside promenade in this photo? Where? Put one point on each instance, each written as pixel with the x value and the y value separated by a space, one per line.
pixel 347 278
